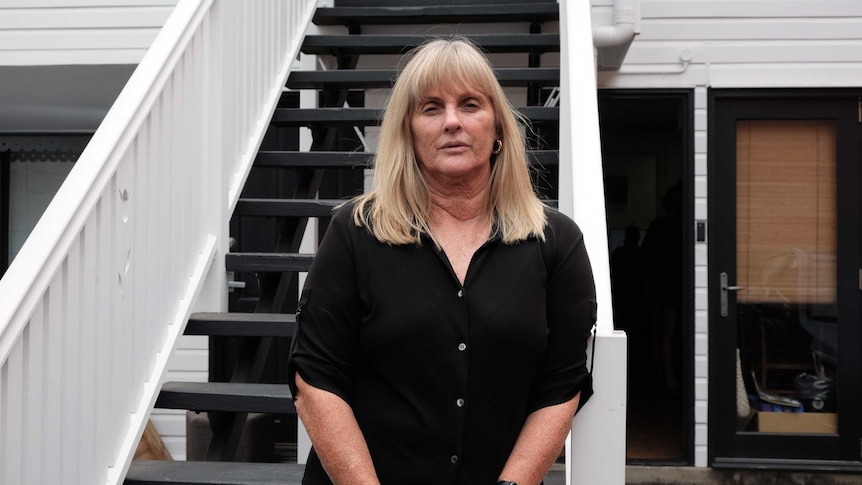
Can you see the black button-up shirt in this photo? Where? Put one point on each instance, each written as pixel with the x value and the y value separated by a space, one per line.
pixel 440 376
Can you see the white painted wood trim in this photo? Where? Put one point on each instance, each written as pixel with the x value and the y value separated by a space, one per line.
pixel 595 449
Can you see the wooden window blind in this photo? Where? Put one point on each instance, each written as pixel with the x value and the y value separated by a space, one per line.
pixel 786 211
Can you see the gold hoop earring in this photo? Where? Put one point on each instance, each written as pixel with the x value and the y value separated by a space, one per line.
pixel 498 147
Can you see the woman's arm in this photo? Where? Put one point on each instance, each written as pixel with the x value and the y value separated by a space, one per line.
pixel 539 444
pixel 336 436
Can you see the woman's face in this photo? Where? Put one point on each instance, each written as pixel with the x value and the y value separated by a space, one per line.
pixel 454 129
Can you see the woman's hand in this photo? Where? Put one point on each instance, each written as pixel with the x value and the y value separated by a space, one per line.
pixel 335 434
pixel 539 444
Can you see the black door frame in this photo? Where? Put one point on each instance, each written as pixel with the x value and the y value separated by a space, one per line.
pixel 5 165
pixel 727 447
pixel 687 327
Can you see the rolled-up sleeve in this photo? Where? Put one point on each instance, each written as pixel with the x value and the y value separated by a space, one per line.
pixel 326 345
pixel 571 315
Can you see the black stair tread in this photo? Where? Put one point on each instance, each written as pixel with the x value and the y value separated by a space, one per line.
pixel 372 116
pixel 226 396
pixel 286 159
pixel 437 14
pixel 400 44
pixel 402 3
pixel 327 116
pixel 157 472
pixel 242 324
pixel 287 207
pixel 153 472
pixel 383 78
pixel 268 262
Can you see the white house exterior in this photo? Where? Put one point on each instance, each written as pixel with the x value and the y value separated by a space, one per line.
pixel 725 66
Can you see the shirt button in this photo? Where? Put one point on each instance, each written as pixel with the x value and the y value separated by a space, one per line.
pixel 460 403
pixel 462 347
pixel 454 459
pixel 460 293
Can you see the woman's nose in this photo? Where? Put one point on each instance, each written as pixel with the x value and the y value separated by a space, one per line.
pixel 451 120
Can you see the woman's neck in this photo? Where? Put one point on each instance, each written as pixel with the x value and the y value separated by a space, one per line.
pixel 460 222
pixel 460 203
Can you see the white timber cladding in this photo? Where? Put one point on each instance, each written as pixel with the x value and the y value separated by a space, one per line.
pixel 740 43
pixel 188 363
pixel 56 32
pixel 701 317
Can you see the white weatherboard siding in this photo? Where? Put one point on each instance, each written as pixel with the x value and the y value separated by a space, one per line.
pixel 733 44
pixel 741 43
pixel 56 32
pixel 701 320
pixel 189 363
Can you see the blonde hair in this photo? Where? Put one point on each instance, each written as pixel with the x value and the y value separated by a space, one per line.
pixel 397 207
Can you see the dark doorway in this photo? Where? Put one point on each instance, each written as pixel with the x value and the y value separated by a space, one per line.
pixel 647 161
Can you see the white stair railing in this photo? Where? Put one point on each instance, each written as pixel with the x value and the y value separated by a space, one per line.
pixel 92 305
pixel 596 449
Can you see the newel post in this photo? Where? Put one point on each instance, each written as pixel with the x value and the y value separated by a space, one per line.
pixel 596 447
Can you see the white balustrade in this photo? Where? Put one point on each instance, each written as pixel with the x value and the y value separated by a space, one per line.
pixel 93 303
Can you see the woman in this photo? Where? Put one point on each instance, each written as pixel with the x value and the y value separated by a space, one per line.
pixel 444 321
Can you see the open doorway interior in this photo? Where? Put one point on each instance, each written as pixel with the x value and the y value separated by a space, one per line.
pixel 644 149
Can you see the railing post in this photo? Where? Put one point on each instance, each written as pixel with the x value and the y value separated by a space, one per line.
pixel 307 99
pixel 214 294
pixel 596 447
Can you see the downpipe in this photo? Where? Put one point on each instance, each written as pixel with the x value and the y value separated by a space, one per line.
pixel 623 29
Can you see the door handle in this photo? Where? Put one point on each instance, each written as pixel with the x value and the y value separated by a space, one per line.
pixel 725 288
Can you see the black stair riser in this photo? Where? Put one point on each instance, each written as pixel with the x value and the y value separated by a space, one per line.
pixel 242 324
pixel 384 78
pixel 286 207
pixel 400 44
pixel 438 14
pixel 341 117
pixel 267 262
pixel 225 396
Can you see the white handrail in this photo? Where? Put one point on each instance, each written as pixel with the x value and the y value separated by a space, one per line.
pixel 596 447
pixel 92 305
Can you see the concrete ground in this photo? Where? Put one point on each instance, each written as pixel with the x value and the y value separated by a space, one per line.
pixel 672 475
pixel 679 475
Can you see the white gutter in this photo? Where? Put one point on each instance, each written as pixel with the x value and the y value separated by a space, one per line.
pixel 623 29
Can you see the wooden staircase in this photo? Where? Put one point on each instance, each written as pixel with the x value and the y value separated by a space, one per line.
pixel 287 187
